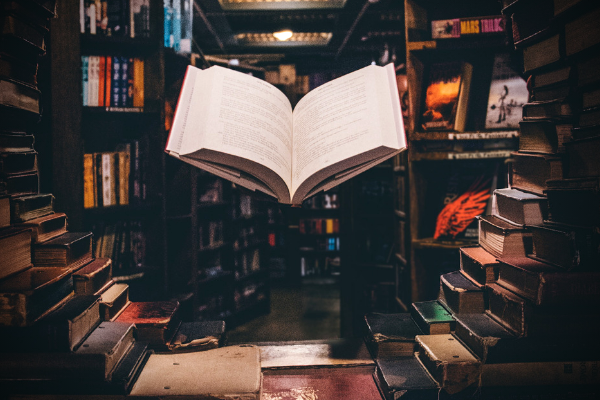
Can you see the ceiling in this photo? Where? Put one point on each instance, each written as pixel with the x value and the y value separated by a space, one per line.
pixel 355 31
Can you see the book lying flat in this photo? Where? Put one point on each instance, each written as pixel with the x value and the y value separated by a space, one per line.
pixel 156 321
pixel 93 277
pixel 197 336
pixel 459 295
pixel 225 373
pixel 432 317
pixel 391 335
pixel 71 249
pixel 46 227
pixel 243 129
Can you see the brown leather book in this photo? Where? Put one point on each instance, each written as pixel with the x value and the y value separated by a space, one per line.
pixel 71 249
pixel 46 227
pixel 156 321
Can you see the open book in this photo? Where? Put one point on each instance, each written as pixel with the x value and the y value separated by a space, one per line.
pixel 243 129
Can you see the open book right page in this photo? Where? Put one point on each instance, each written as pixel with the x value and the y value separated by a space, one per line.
pixel 353 120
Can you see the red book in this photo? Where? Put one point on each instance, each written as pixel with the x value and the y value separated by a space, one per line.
pixel 156 321
pixel 101 81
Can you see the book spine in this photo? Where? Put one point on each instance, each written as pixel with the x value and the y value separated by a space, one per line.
pixel 124 165
pixel 168 29
pixel 130 82
pixel 101 79
pixel 138 83
pixel 123 83
pixel 176 24
pixel 88 181
pixel 85 79
pixel 107 84
pixel 116 82
pixel 92 17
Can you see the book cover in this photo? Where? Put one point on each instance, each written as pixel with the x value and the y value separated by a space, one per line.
pixel 519 208
pixel 541 53
pixel 46 227
pixel 404 377
pixel 15 243
pixel 508 93
pixel 93 277
pixel 347 383
pixel 459 295
pixel 25 208
pixel 89 181
pixel 446 96
pixel 156 321
pixel 113 301
pixel 445 28
pixel 432 317
pixel 530 171
pixel 450 362
pixel 502 238
pixel 223 373
pixel 546 136
pixel 391 335
pixel 71 249
pixel 478 265
pixel 198 336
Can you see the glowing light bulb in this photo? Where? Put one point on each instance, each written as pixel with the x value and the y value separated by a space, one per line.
pixel 283 35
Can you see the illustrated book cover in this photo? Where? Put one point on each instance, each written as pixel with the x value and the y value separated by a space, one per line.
pixel 508 93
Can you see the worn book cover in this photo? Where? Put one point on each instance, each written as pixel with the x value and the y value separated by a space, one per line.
pixel 342 383
pixel 547 136
pixel 446 96
pixel 17 162
pixel 197 336
pixel 478 265
pixel 391 335
pixel 113 301
pixel 518 207
pixel 432 317
pixel 223 373
pixel 16 250
pixel 93 277
pixel 71 249
pixel 530 171
pixel 508 93
pixel 404 378
pixel 29 207
pixel 68 325
pixel 502 238
pixel 24 297
pixel 16 143
pixel 459 295
pixel 156 321
pixel 22 184
pixel 46 227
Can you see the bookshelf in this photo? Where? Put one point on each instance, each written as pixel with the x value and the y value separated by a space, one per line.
pixel 438 159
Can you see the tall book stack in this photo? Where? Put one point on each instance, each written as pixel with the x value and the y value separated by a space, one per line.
pixel 515 319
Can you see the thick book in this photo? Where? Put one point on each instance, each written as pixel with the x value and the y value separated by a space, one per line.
pixel 558 109
pixel 26 296
pixel 156 321
pixel 449 361
pixel 391 335
pixel 564 194
pixel 19 95
pixel 16 250
pixel 346 383
pixel 25 208
pixel 502 238
pixel 446 96
pixel 17 162
pixel 65 327
pixel 198 336
pixel 4 211
pixel 432 317
pixel 545 284
pixel 530 172
pixel 22 184
pixel 404 378
pixel 16 142
pixel 93 277
pixel 223 373
pixel 478 264
pixel 71 249
pixel 572 248
pixel 459 295
pixel 17 69
pixel 547 136
pixel 508 93
pixel 519 208
pixel 94 361
pixel 541 53
pixel 46 227
pixel 243 129
pixel 113 301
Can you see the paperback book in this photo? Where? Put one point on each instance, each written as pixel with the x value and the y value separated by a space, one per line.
pixel 508 93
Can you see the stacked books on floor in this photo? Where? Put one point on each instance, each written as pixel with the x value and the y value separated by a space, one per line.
pixel 515 320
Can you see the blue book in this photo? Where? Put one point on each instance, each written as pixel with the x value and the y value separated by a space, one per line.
pixel 404 378
pixel 85 60
pixel 176 25
pixel 123 84
pixel 115 100
pixel 168 18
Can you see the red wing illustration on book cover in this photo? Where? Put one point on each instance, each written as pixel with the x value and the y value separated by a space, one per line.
pixel 457 215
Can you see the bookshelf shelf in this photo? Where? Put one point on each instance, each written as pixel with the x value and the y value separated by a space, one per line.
pixel 474 135
pixel 462 155
pixel 430 243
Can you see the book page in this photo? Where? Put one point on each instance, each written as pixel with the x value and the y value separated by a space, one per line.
pixel 248 118
pixel 343 118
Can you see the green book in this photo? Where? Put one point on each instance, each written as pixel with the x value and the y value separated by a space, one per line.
pixel 432 317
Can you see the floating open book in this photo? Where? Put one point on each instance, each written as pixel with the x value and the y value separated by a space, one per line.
pixel 243 129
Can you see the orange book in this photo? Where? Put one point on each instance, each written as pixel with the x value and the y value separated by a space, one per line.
pixel 107 81
pixel 138 82
pixel 101 78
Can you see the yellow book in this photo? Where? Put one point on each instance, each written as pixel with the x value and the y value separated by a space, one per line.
pixel 138 82
pixel 124 167
pixel 89 181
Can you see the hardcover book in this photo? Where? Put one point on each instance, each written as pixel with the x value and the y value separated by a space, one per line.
pixel 391 335
pixel 19 95
pixel 71 249
pixel 16 250
pixel 557 108
pixel 508 93
pixel 17 162
pixel 23 184
pixel 4 211
pixel 346 383
pixel 404 377
pixel 502 238
pixel 450 363
pixel 113 301
pixel 519 208
pixel 545 284
pixel 156 321
pixel 432 317
pixel 246 130
pixel 198 336
pixel 530 171
pixel 544 136
pixel 25 208
pixel 16 143
pixel 459 295
pixel 478 265
pixel 65 327
pixel 541 53
pixel 46 227
pixel 446 96
pixel 93 277
pixel 223 373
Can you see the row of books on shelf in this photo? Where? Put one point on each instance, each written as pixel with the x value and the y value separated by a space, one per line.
pixel 118 18
pixel 318 226
pixel 246 263
pixel 319 266
pixel 114 82
pixel 326 200
pixel 124 242
pixel 178 24
pixel 114 178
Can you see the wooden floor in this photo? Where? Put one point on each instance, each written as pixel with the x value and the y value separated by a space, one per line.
pixel 309 312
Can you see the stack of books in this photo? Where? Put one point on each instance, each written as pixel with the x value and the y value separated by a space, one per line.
pixel 514 320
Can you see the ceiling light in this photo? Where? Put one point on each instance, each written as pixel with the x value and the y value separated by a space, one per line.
pixel 283 35
pixel 279 4
pixel 297 39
